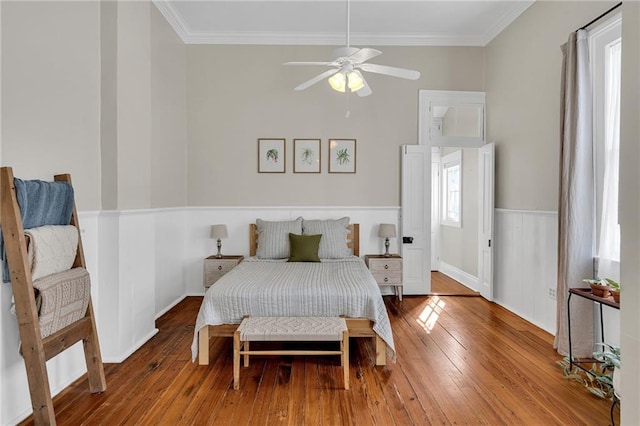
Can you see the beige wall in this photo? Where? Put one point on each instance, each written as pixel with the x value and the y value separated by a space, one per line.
pixel 134 105
pixel 109 103
pixel 237 94
pixel 523 67
pixel 51 93
pixel 459 246
pixel 168 115
pixel 629 208
pixel 96 89
pixel 143 133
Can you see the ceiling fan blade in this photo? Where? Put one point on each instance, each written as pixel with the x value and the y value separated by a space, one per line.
pixel 308 63
pixel 364 54
pixel 366 90
pixel 316 79
pixel 392 71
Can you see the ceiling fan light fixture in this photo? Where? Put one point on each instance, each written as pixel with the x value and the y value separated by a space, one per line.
pixel 356 81
pixel 338 81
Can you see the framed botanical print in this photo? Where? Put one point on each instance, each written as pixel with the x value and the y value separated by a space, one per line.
pixel 342 155
pixel 306 156
pixel 271 155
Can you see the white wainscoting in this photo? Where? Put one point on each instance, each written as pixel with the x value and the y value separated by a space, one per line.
pixel 525 276
pixel 143 262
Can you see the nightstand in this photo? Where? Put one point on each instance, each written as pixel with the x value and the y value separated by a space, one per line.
pixel 216 267
pixel 387 271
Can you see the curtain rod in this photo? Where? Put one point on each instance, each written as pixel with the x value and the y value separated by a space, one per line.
pixel 584 27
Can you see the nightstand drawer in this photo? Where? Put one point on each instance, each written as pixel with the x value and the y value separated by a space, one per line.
pixel 211 277
pixel 218 266
pixel 215 268
pixel 390 278
pixel 391 265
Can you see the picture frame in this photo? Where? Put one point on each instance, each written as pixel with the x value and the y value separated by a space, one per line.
pixel 306 156
pixel 272 155
pixel 342 155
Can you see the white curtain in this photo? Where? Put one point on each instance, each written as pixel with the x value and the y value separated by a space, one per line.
pixel 609 238
pixel 576 207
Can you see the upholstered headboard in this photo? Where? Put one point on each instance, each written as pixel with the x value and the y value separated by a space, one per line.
pixel 353 238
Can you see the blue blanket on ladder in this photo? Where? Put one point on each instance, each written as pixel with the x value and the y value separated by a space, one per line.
pixel 41 203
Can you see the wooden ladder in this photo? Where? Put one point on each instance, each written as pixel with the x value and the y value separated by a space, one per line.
pixel 36 350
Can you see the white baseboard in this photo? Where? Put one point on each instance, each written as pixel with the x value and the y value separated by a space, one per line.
pixel 459 275
pixel 132 349
pixel 170 306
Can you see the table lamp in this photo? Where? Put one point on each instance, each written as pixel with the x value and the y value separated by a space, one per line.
pixel 218 232
pixel 386 231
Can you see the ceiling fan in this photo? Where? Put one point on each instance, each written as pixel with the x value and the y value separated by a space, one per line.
pixel 346 63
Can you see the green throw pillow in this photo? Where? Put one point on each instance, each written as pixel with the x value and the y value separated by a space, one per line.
pixel 304 248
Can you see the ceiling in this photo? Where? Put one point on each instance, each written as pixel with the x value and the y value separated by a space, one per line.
pixel 324 22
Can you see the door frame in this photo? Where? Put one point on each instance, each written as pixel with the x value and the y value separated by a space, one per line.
pixel 486 209
pixel 424 138
pixel 435 208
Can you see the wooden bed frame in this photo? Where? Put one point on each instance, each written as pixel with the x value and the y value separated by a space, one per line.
pixel 358 327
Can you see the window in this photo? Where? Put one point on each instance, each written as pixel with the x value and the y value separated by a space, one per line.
pixel 605 45
pixel 452 189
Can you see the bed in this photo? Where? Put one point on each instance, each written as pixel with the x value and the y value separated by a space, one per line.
pixel 266 284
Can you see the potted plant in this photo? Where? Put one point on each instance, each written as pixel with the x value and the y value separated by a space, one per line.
pixel 600 380
pixel 615 289
pixel 609 367
pixel 599 286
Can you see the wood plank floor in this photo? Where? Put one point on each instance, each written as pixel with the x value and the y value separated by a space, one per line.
pixel 461 360
pixel 443 285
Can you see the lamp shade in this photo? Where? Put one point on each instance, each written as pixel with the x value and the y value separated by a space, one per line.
pixel 218 231
pixel 387 230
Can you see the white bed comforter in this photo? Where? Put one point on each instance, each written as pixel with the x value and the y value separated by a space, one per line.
pixel 279 288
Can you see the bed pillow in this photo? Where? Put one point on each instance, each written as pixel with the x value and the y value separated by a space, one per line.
pixel 333 244
pixel 304 248
pixel 273 238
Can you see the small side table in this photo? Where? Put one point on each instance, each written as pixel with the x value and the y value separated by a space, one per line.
pixel 586 293
pixel 216 267
pixel 387 271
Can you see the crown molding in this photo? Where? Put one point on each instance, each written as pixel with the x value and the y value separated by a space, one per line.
pixel 505 21
pixel 331 39
pixel 173 18
pixel 327 39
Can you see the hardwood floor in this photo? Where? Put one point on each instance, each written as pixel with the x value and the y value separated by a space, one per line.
pixel 460 360
pixel 443 285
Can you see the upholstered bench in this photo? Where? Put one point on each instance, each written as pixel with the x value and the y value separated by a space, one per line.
pixel 289 329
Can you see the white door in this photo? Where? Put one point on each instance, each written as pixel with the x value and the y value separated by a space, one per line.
pixel 435 209
pixel 486 177
pixel 416 219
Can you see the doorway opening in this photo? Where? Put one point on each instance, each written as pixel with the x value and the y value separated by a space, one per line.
pixel 454 221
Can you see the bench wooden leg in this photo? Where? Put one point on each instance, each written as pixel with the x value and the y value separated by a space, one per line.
pixel 344 347
pixel 245 346
pixel 236 360
pixel 203 345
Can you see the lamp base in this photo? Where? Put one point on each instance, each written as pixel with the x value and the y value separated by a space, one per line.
pixel 386 248
pixel 219 255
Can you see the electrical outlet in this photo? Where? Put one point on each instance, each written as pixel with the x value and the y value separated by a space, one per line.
pixel 552 293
